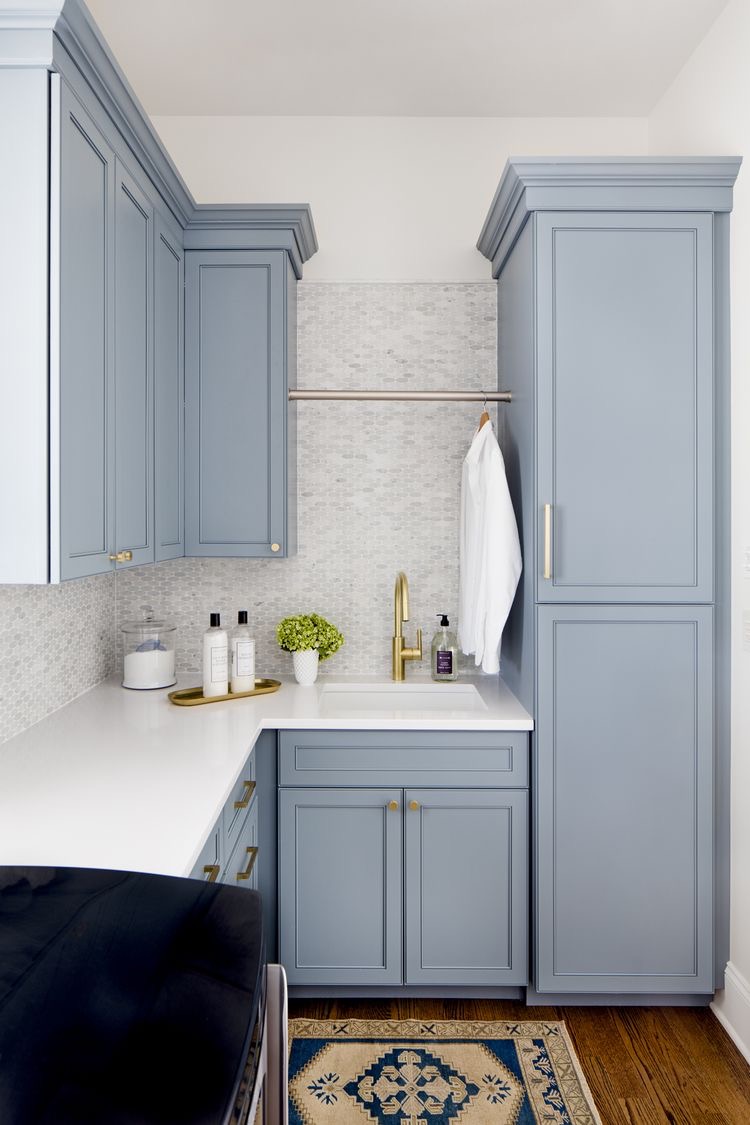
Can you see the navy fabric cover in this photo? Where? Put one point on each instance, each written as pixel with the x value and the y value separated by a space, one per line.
pixel 124 998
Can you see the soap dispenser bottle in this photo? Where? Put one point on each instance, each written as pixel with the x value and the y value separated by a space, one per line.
pixel 215 653
pixel 444 652
pixel 242 656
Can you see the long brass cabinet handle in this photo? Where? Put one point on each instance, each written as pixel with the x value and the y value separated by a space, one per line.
pixel 212 871
pixel 252 855
pixel 547 540
pixel 246 796
pixel 122 556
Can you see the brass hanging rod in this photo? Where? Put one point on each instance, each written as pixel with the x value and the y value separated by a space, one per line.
pixel 401 396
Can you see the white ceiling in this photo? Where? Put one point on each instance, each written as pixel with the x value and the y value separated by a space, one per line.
pixel 483 58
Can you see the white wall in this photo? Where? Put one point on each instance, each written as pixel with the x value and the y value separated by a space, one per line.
pixel 393 198
pixel 706 111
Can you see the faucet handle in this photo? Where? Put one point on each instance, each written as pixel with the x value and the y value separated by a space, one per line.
pixel 414 653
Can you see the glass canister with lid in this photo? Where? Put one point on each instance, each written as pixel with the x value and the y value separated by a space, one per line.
pixel 149 652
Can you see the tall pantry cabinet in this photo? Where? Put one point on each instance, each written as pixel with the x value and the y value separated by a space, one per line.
pixel 613 339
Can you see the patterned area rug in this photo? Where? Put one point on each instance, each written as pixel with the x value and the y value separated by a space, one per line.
pixel 409 1072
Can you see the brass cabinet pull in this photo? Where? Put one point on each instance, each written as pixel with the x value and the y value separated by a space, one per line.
pixel 413 805
pixel 252 854
pixel 246 796
pixel 275 547
pixel 393 806
pixel 547 540
pixel 122 556
pixel 212 870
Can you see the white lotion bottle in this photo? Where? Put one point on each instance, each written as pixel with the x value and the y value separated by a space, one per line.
pixel 215 660
pixel 242 648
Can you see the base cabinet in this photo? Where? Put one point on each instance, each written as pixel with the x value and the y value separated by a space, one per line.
pixel 402 885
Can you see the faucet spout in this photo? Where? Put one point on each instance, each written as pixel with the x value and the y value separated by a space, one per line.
pixel 402 653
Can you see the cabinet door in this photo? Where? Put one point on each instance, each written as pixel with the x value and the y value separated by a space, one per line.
pixel 169 391
pixel 236 403
pixel 340 886
pixel 466 886
pixel 625 409
pixel 624 799
pixel 134 437
pixel 82 510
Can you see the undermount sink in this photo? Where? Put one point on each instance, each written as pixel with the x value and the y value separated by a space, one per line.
pixel 343 697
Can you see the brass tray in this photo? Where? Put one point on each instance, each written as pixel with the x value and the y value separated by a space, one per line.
pixel 193 696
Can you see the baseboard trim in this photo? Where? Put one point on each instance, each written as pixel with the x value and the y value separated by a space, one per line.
pixel 731 1007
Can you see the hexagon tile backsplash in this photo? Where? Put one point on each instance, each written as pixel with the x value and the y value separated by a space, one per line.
pixel 378 492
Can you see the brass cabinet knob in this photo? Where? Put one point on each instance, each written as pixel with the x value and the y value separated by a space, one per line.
pixel 275 547
pixel 393 806
pixel 122 556
pixel 413 805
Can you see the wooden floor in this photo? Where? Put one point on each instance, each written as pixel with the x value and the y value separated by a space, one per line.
pixel 645 1066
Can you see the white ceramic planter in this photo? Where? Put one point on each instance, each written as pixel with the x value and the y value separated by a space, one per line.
pixel 306 666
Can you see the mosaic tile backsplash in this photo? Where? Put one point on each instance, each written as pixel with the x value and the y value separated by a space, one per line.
pixel 378 482
pixel 55 643
pixel 378 493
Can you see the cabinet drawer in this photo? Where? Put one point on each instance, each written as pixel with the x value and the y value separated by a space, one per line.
pixel 435 758
pixel 241 869
pixel 238 804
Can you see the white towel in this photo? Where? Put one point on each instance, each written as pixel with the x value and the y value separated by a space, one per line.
pixel 489 551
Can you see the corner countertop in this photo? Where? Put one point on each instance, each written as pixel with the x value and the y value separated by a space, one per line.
pixel 125 780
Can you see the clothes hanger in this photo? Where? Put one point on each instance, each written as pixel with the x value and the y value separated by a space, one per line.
pixel 485 416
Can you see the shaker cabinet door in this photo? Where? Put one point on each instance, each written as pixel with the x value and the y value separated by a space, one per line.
pixel 625 407
pixel 466 895
pixel 134 372
pixel 340 886
pixel 236 403
pixel 82 508
pixel 169 391
pixel 624 799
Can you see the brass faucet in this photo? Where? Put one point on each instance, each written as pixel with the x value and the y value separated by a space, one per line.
pixel 401 613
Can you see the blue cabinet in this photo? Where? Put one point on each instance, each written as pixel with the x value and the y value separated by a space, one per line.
pixel 625 373
pixel 239 356
pixel 613 339
pixel 340 886
pixel 414 885
pixel 465 888
pixel 82 447
pixel 97 219
pixel 102 447
pixel 134 370
pixel 624 799
pixel 169 390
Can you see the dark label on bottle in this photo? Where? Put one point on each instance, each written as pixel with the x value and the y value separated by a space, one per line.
pixel 444 663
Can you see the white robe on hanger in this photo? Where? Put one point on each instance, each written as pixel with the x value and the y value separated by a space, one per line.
pixel 489 551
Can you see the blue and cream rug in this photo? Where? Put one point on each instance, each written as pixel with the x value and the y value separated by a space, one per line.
pixel 411 1072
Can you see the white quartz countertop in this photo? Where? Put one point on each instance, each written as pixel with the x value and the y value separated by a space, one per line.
pixel 125 779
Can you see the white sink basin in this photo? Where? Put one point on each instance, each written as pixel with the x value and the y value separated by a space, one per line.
pixel 425 697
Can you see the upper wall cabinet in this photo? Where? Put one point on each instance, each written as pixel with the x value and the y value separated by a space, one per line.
pixel 94 224
pixel 239 355
pixel 169 389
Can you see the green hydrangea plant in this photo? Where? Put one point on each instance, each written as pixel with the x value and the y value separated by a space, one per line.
pixel 309 630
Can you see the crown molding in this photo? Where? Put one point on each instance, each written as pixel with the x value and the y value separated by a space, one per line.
pixel 637 183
